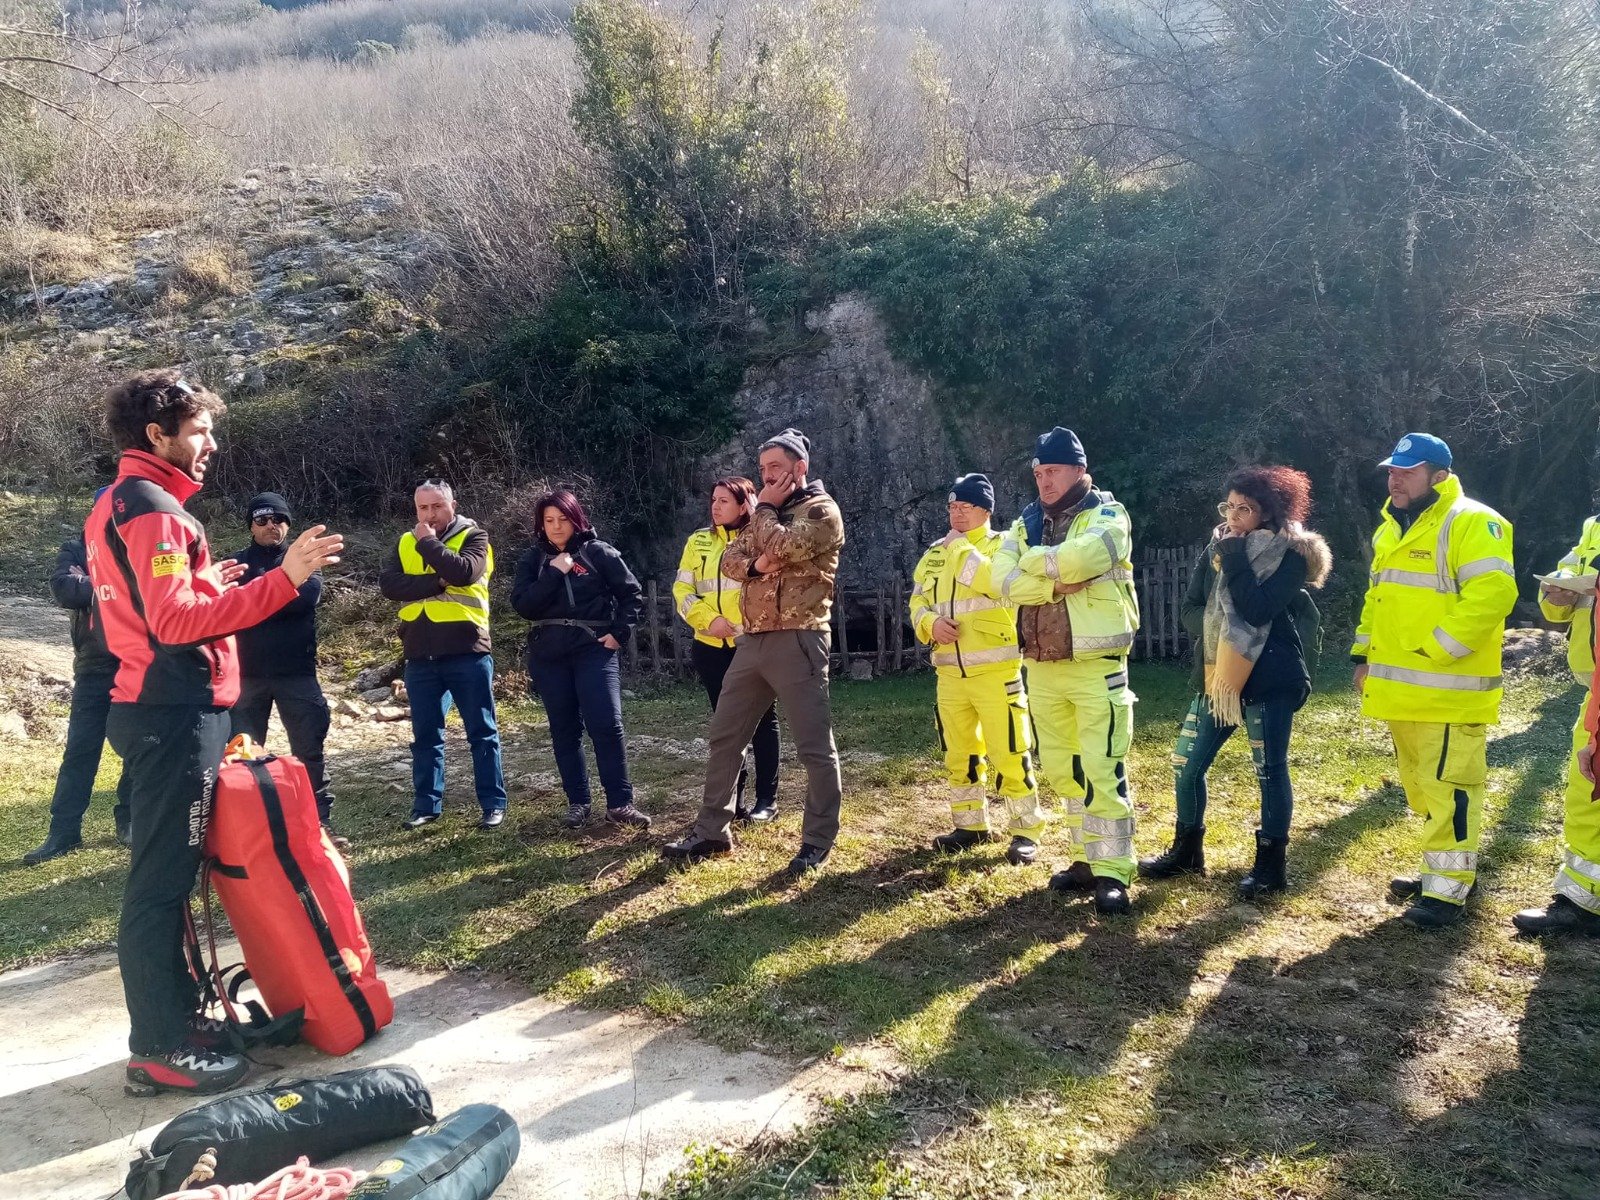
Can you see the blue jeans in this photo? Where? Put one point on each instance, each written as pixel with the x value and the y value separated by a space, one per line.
pixel 583 690
pixel 1268 724
pixel 432 684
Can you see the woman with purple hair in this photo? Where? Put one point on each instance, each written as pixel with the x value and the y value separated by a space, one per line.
pixel 583 603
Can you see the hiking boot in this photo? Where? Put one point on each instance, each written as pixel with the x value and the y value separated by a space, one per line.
pixel 763 812
pixel 577 816
pixel 57 845
pixel 124 831
pixel 1562 916
pixel 809 859
pixel 1022 852
pixel 337 841
pixel 1430 912
pixel 628 815
pixel 1075 879
pixel 1405 887
pixel 1270 873
pixel 1186 857
pixel 958 840
pixel 209 1033
pixel 414 821
pixel 197 1069
pixel 692 848
pixel 1111 896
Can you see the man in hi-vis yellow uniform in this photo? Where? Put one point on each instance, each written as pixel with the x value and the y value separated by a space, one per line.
pixel 1575 907
pixel 1066 564
pixel 982 711
pixel 1427 656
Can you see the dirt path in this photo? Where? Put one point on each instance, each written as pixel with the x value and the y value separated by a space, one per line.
pixel 34 633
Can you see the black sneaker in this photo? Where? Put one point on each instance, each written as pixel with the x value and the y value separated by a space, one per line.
pixel 958 840
pixel 809 859
pixel 628 815
pixel 416 822
pixel 1022 852
pixel 1562 916
pixel 1076 879
pixel 55 846
pixel 693 848
pixel 124 831
pixel 1430 912
pixel 1405 887
pixel 577 816
pixel 1111 896
pixel 195 1069
pixel 338 842
pixel 763 812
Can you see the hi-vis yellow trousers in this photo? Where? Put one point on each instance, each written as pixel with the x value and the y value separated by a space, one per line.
pixel 1443 769
pixel 983 722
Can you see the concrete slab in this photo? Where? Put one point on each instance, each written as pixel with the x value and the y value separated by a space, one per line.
pixel 606 1102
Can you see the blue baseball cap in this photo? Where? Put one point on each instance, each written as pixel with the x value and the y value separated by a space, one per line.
pixel 1417 448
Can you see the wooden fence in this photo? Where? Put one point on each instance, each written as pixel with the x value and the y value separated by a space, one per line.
pixel 872 629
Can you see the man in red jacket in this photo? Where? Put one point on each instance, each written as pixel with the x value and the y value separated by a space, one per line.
pixel 169 615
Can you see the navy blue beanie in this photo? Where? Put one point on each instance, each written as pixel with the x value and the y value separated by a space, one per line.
pixel 975 490
pixel 1059 447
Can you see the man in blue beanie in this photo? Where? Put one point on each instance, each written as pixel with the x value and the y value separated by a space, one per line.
pixel 1067 564
pixel 982 708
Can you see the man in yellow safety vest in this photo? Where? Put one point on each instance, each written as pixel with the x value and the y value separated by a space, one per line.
pixel 1576 905
pixel 1427 654
pixel 1066 563
pixel 982 712
pixel 440 575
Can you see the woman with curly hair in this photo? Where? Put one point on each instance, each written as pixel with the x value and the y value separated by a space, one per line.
pixel 1251 668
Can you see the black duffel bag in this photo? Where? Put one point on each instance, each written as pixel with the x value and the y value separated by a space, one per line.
pixel 259 1132
pixel 466 1156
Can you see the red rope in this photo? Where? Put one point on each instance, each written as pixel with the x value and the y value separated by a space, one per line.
pixel 299 1182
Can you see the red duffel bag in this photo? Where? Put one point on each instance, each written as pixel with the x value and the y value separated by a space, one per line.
pixel 287 895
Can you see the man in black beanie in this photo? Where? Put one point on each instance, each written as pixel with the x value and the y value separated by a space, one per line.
pixel 278 658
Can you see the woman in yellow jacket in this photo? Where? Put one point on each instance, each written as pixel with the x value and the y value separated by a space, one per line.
pixel 708 602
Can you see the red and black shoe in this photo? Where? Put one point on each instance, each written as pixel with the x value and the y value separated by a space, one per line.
pixel 195 1069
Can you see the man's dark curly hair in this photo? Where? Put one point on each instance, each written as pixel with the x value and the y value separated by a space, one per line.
pixel 1283 494
pixel 161 395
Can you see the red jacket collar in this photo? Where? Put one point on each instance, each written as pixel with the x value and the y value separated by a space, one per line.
pixel 140 464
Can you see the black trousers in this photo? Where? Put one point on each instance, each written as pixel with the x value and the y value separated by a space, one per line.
pixel 711 663
pixel 171 753
pixel 80 761
pixel 304 712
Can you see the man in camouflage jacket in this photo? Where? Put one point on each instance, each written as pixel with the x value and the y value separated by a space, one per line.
pixel 784 561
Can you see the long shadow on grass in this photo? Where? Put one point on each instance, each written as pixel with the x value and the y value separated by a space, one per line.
pixel 1030 995
pixel 1333 1050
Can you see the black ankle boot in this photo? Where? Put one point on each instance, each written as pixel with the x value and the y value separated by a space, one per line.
pixel 1187 856
pixel 1269 874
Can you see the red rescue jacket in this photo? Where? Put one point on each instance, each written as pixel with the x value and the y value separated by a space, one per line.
pixel 161 601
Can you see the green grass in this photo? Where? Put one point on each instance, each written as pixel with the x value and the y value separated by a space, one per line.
pixel 1010 1043
pixel 1007 1042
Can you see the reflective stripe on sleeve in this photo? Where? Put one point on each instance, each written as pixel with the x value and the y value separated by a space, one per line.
pixel 1457 649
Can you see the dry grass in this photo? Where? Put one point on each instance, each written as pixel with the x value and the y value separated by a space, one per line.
pixel 206 270
pixel 33 256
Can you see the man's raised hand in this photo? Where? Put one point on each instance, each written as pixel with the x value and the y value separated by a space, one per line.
pixel 312 551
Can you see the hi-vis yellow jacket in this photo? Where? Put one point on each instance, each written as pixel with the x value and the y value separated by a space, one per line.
pixel 956 581
pixel 1579 619
pixel 1098 621
pixel 1435 613
pixel 701 593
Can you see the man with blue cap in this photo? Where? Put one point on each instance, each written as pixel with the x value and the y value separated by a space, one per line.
pixel 982 712
pixel 94 670
pixel 1427 654
pixel 1067 565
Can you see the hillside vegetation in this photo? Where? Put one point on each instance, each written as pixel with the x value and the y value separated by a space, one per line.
pixel 1285 229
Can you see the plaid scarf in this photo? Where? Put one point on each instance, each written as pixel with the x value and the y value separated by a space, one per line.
pixel 1232 645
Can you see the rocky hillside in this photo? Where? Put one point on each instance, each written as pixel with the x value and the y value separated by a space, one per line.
pixel 292 265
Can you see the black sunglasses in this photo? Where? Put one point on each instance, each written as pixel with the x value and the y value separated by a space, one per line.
pixel 269 519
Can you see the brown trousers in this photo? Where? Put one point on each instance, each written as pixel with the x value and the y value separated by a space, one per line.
pixel 791 667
